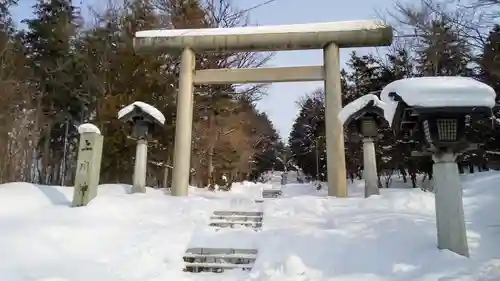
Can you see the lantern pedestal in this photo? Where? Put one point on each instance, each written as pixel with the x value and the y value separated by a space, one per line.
pixel 450 219
pixel 370 168
pixel 369 131
pixel 141 158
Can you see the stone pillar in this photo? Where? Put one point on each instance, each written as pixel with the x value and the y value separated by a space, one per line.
pixel 370 167
pixel 450 219
pixel 88 168
pixel 166 173
pixel 337 179
pixel 140 167
pixel 183 128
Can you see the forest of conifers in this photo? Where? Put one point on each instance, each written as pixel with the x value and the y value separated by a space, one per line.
pixel 60 68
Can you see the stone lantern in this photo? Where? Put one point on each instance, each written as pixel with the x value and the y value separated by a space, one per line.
pixel 144 119
pixel 363 117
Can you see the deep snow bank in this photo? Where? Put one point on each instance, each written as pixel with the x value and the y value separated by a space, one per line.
pixel 305 236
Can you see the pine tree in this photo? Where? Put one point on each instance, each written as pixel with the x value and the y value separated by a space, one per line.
pixel 489 73
pixel 307 138
pixel 442 51
pixel 398 65
pixel 118 76
pixel 50 39
pixel 489 61
pixel 15 113
pixel 6 25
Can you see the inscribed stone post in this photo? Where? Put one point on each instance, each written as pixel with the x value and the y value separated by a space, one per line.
pixel 88 168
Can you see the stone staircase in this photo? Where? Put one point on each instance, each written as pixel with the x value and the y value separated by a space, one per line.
pixel 218 260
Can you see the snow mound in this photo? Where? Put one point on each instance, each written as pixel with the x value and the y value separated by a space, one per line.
pixel 305 236
pixel 149 109
pixel 88 128
pixel 276 29
pixel 437 91
pixel 353 107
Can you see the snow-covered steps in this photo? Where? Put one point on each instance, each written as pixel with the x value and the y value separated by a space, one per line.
pixel 271 193
pixel 238 213
pixel 218 260
pixel 234 219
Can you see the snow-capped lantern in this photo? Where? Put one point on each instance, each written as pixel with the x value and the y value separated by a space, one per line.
pixel 143 117
pixel 436 109
pixel 363 116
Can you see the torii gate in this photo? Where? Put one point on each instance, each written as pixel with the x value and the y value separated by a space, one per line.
pixel 329 36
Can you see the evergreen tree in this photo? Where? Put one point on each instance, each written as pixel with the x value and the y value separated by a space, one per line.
pixel 489 73
pixel 489 61
pixel 6 25
pixel 50 45
pixel 15 114
pixel 307 137
pixel 442 51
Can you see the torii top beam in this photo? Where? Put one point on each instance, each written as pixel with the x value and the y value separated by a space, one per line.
pixel 365 33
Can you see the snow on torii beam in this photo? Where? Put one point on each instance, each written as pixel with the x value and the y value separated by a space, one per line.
pixel 349 34
pixel 329 36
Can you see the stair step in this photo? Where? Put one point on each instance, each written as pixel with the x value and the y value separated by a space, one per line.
pixel 238 213
pixel 237 218
pixel 226 224
pixel 235 222
pixel 218 259
pixel 271 193
pixel 221 256
pixel 228 251
pixel 215 267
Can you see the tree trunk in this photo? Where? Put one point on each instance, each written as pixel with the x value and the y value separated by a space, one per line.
pixel 460 167
pixel 44 177
pixel 166 172
pixel 212 140
pixel 402 171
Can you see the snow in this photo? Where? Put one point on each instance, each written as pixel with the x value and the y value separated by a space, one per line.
pixel 88 128
pixel 273 29
pixel 353 107
pixel 438 91
pixel 305 235
pixel 497 120
pixel 147 108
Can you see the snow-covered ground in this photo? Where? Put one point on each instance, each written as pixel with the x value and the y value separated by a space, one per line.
pixel 305 236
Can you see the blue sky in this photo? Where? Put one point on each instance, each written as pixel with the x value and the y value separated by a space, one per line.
pixel 280 103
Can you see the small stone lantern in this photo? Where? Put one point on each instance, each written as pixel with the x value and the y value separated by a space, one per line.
pixel 362 118
pixel 144 119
